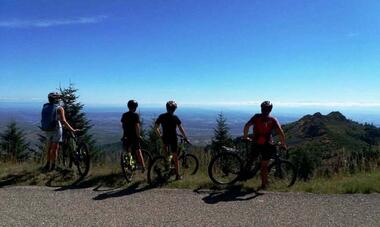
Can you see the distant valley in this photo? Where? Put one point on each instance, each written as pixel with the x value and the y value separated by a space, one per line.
pixel 198 122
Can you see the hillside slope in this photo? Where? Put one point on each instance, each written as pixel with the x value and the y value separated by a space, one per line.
pixel 333 131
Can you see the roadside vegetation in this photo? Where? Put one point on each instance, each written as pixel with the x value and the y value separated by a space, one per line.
pixel 332 155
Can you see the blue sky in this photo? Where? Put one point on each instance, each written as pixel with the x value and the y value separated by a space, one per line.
pixel 310 53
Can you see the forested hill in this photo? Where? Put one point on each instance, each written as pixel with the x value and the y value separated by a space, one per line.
pixel 331 131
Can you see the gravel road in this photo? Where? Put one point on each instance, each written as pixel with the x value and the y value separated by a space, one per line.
pixel 43 206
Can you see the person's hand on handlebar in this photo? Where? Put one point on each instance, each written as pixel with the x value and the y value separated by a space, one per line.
pixel 284 146
pixel 247 139
pixel 187 140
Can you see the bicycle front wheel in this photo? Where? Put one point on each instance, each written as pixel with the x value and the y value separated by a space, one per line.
pixel 225 168
pixel 82 159
pixel 189 164
pixel 159 171
pixel 281 174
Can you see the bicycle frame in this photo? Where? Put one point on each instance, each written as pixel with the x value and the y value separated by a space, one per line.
pixel 252 166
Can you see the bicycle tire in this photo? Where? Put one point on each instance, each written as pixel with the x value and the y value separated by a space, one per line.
pixel 189 164
pixel 158 171
pixel 82 159
pixel 282 173
pixel 225 163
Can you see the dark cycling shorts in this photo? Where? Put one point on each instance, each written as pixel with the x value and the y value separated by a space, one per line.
pixel 265 150
pixel 172 144
pixel 134 144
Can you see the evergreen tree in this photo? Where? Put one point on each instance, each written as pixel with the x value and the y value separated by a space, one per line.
pixel 13 144
pixel 153 141
pixel 75 115
pixel 222 135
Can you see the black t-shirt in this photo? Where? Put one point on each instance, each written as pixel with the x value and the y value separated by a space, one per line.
pixel 169 123
pixel 129 120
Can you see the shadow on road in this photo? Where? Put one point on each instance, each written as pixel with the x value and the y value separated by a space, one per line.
pixel 88 182
pixel 132 189
pixel 235 193
pixel 29 177
pixel 9 180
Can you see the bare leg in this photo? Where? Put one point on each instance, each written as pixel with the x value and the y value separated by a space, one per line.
pixel 140 158
pixel 53 154
pixel 48 156
pixel 49 152
pixel 166 151
pixel 176 163
pixel 264 174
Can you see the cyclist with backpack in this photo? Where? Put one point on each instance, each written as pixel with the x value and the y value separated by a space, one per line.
pixel 132 136
pixel 169 123
pixel 52 120
pixel 263 126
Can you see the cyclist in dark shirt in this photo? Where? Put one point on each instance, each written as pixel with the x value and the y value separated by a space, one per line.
pixel 131 135
pixel 263 127
pixel 169 123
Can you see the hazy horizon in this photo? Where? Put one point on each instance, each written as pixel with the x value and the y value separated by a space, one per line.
pixel 199 122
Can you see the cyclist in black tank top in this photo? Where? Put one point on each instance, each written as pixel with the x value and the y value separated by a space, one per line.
pixel 169 123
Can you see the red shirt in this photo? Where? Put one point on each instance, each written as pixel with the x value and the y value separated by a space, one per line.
pixel 263 127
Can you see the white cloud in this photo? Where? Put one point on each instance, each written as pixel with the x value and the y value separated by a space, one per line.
pixel 51 22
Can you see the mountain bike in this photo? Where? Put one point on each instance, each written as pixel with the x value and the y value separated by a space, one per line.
pixel 75 151
pixel 228 167
pixel 129 164
pixel 162 168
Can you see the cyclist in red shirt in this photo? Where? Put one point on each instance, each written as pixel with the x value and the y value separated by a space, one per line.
pixel 263 126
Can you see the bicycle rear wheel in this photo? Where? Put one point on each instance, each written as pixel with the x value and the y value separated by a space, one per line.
pixel 225 168
pixel 82 159
pixel 189 164
pixel 127 165
pixel 281 174
pixel 159 171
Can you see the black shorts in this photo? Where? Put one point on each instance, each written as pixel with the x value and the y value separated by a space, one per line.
pixel 172 144
pixel 134 144
pixel 265 150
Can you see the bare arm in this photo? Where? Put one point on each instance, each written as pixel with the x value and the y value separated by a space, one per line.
pixel 182 130
pixel 64 122
pixel 157 129
pixel 246 129
pixel 138 130
pixel 281 133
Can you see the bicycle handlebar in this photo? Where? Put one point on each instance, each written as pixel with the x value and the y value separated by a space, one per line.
pixel 74 133
pixel 183 139
pixel 278 144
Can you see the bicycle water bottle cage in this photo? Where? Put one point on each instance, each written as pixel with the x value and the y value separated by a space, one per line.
pixel 229 149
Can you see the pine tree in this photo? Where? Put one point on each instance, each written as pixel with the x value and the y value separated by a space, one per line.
pixel 154 143
pixel 222 135
pixel 75 115
pixel 13 143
